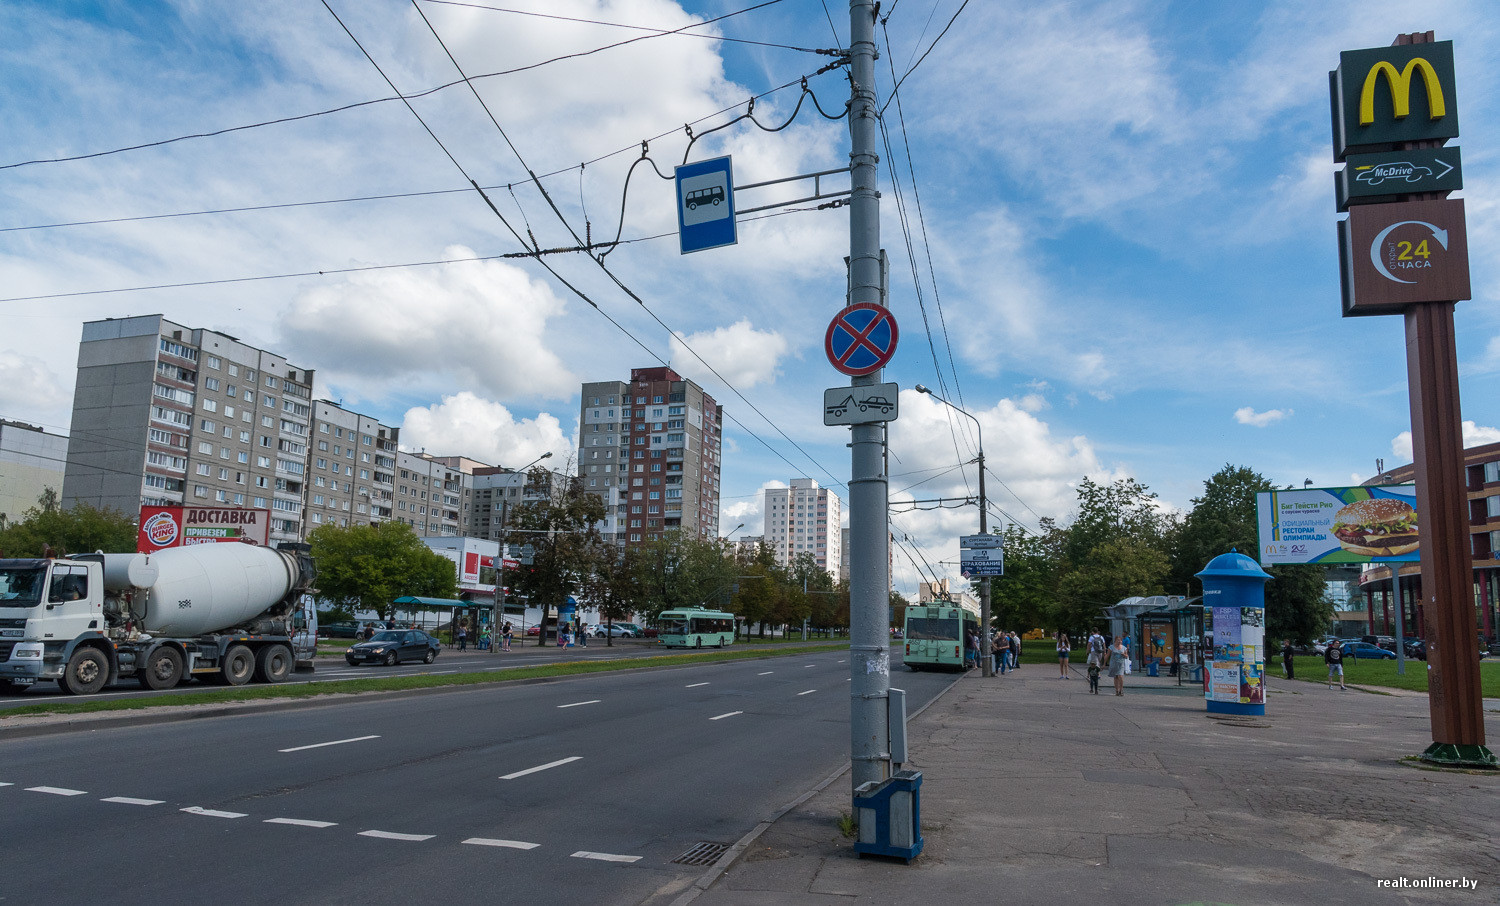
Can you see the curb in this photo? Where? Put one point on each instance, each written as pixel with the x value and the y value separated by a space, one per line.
pixel 733 854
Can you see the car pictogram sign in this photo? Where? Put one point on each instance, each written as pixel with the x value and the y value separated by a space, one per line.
pixel 861 339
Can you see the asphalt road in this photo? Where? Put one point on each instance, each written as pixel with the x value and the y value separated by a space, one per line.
pixel 330 669
pixel 577 790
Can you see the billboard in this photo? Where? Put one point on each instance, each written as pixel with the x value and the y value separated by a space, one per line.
pixel 1338 525
pixel 177 526
pixel 1385 95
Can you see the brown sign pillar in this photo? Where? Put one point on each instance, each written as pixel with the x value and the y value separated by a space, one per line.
pixel 1410 256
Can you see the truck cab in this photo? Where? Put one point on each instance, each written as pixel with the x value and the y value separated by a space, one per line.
pixel 45 606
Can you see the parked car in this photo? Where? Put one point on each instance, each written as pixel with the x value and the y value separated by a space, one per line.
pixel 1364 650
pixel 1416 648
pixel 1321 645
pixel 392 646
pixel 634 628
pixel 650 632
pixel 617 630
pixel 344 629
pixel 533 630
pixel 1381 641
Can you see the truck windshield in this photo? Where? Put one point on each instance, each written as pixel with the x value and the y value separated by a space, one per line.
pixel 21 587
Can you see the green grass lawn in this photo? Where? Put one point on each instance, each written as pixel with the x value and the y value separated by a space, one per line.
pixel 1383 673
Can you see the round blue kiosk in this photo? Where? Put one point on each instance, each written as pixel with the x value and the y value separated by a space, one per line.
pixel 1234 621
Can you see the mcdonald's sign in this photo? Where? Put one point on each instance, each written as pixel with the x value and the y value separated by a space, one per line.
pixel 1385 95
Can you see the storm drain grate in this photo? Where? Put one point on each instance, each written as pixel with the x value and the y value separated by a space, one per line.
pixel 702 854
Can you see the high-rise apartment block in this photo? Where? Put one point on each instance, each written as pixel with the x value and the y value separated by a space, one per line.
pixel 497 493
pixel 31 461
pixel 805 518
pixel 650 447
pixel 351 468
pixel 166 414
pixel 435 494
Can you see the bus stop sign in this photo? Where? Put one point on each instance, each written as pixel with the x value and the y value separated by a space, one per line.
pixel 705 205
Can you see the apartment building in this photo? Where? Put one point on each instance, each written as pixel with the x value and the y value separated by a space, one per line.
pixel 651 448
pixel 805 518
pixel 351 475
pixel 168 414
pixel 434 494
pixel 497 493
pixel 31 461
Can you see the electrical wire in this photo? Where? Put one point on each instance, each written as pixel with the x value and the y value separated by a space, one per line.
pixel 913 68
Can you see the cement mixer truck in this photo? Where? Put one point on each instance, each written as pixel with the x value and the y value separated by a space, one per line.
pixel 227 613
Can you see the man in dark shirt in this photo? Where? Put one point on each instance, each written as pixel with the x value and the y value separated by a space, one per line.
pixel 1333 656
pixel 1286 659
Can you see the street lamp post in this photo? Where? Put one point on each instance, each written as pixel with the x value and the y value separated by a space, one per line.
pixel 500 595
pixel 986 666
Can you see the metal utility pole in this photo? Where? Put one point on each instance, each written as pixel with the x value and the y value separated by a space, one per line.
pixel 987 667
pixel 869 532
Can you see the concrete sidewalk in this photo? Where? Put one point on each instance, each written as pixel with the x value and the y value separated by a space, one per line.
pixel 1036 791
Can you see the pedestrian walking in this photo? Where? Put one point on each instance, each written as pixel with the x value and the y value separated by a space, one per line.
pixel 1015 651
pixel 583 634
pixel 463 637
pixel 1117 660
pixel 1002 651
pixel 505 635
pixel 1062 654
pixel 1287 666
pixel 1333 656
pixel 1097 651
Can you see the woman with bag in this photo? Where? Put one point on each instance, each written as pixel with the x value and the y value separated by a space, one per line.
pixel 1117 665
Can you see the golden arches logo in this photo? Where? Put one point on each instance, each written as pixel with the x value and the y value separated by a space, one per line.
pixel 1399 84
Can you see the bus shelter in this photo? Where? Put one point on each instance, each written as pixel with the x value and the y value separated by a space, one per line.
pixel 1165 632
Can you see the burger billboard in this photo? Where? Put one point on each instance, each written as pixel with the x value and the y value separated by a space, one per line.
pixel 176 526
pixel 1338 525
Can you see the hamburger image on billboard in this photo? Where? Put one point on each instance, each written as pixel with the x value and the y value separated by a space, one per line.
pixel 1377 527
pixel 1364 524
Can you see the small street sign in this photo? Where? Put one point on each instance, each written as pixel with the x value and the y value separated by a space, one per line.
pixel 861 339
pixel 860 405
pixel 1394 255
pixel 1378 177
pixel 705 205
pixel 981 563
pixel 981 542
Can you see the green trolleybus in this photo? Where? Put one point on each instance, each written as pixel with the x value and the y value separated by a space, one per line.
pixel 935 635
pixel 694 627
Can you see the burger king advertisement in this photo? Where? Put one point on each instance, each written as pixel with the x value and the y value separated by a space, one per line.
pixel 1338 525
pixel 176 526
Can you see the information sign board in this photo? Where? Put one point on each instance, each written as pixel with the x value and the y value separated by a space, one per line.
pixel 1376 524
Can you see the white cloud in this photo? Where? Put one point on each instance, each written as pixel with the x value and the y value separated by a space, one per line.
pixel 30 389
pixel 1474 435
pixel 481 429
pixel 743 355
pixel 483 324
pixel 1247 415
pixel 749 510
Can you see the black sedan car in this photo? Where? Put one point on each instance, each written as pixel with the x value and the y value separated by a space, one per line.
pixel 392 646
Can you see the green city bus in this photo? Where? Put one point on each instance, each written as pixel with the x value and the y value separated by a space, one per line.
pixel 695 627
pixel 935 635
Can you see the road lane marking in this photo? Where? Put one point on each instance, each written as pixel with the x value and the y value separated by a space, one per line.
pixel 55 790
pixel 605 857
pixel 301 822
pixel 542 767
pixel 841 660
pixel 390 835
pixel 809 665
pixel 730 714
pixel 508 844
pixel 694 685
pixel 7 784
pixel 211 813
pixel 592 701
pixel 336 742
pixel 808 692
pixel 767 673
pixel 126 800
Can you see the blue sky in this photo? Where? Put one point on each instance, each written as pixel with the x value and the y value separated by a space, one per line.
pixel 1128 213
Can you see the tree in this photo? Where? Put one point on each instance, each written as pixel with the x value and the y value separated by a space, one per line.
pixel 1114 570
pixel 366 567
pixel 1023 598
pixel 1124 509
pixel 78 530
pixel 1224 519
pixel 562 528
pixel 611 584
pixel 675 571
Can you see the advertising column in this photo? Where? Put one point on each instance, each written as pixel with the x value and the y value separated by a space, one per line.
pixel 1234 604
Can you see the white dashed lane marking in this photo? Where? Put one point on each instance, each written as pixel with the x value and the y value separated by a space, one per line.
pixel 605 857
pixel 55 790
pixel 694 685
pixel 592 701
pixel 809 665
pixel 542 767
pixel 507 844
pixel 126 800
pixel 730 714
pixel 391 835
pixel 301 822
pixel 211 813
pixel 767 673
pixel 808 692
pixel 319 745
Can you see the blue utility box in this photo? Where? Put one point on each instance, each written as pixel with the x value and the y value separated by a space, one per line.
pixel 890 816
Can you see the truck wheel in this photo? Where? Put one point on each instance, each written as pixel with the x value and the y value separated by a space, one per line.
pixel 162 670
pixel 238 666
pixel 273 664
pixel 86 673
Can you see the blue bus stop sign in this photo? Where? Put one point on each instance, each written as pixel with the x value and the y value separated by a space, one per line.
pixel 705 205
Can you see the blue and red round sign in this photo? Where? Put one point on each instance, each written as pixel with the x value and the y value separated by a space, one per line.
pixel 861 339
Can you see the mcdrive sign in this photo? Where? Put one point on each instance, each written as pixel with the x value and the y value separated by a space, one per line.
pixel 1395 252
